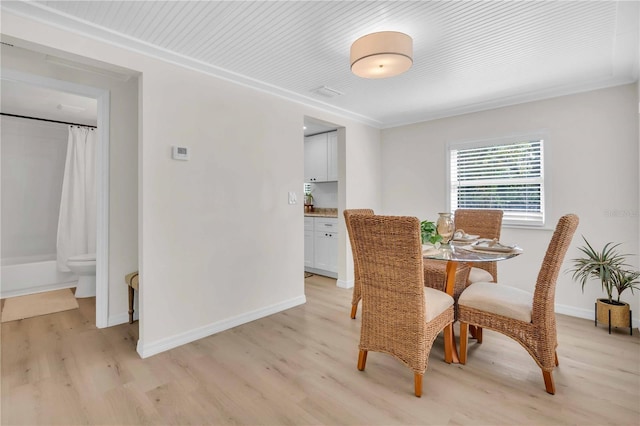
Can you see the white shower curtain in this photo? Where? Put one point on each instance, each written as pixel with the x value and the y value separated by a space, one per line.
pixel 77 222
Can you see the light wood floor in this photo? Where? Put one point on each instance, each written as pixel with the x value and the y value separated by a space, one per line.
pixel 299 367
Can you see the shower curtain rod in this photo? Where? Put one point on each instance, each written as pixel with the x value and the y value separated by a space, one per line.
pixel 44 119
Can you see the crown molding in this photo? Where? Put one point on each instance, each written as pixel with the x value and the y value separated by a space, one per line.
pixel 532 96
pixel 48 16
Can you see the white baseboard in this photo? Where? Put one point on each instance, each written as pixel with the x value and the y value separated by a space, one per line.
pixel 344 284
pixel 37 289
pixel 588 313
pixel 322 272
pixel 118 319
pixel 148 349
pixel 153 348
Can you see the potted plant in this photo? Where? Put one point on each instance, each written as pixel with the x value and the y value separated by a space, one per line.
pixel 308 198
pixel 308 201
pixel 607 266
pixel 429 233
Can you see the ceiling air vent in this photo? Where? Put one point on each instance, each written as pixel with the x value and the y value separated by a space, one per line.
pixel 327 92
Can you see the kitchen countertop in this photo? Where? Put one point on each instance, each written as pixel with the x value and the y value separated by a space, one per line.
pixel 322 212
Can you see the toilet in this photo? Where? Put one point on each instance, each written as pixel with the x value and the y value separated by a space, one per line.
pixel 84 266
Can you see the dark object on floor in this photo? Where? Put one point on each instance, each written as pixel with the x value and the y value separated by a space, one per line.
pixel 132 281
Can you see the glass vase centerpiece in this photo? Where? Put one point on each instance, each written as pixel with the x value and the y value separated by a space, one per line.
pixel 445 227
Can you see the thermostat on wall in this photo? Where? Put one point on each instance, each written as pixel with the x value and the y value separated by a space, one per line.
pixel 180 153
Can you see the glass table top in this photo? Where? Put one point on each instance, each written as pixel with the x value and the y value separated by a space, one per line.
pixel 467 253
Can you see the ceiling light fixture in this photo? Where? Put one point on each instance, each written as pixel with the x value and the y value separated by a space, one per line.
pixel 381 55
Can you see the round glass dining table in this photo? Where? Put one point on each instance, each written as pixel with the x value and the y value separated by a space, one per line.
pixel 454 253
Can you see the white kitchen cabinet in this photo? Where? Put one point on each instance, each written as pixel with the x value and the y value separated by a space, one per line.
pixel 321 246
pixel 321 157
pixel 325 251
pixel 315 158
pixel 308 242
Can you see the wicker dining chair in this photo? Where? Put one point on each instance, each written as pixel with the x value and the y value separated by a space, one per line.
pixel 400 316
pixel 357 292
pixel 487 223
pixel 527 318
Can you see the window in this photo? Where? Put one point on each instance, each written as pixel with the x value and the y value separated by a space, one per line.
pixel 506 175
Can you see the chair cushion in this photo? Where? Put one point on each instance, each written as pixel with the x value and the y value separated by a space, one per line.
pixel 498 299
pixel 436 302
pixel 477 275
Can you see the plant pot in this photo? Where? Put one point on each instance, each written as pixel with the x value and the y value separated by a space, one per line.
pixel 615 314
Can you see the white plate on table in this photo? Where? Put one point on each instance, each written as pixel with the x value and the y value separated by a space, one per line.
pixel 466 238
pixel 494 247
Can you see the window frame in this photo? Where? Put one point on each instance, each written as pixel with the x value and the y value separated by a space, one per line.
pixel 508 222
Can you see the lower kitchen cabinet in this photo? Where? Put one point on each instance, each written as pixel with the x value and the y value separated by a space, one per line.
pixel 325 248
pixel 321 246
pixel 308 242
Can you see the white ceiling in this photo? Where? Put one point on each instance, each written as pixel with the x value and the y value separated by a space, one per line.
pixel 468 56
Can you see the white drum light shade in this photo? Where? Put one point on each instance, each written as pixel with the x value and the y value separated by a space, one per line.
pixel 380 55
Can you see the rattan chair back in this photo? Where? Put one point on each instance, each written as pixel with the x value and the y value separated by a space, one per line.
pixel 487 223
pixel 543 312
pixel 538 337
pixel 389 253
pixel 357 292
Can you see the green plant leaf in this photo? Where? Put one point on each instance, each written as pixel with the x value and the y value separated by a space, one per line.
pixel 429 233
pixel 608 266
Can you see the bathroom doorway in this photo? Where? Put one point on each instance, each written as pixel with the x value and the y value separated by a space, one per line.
pixel 100 97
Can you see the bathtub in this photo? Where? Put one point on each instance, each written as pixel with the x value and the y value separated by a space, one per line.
pixel 33 274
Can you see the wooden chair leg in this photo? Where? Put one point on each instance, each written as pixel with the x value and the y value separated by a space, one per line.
pixel 130 305
pixel 479 334
pixel 557 362
pixel 417 380
pixel 354 309
pixel 362 360
pixel 472 331
pixel 548 382
pixel 448 344
pixel 464 328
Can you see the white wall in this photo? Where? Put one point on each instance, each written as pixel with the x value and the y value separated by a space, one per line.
pixel 591 154
pixel 360 160
pixel 33 157
pixel 219 245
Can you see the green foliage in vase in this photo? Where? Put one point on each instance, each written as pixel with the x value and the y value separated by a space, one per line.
pixel 429 233
pixel 608 266
pixel 308 197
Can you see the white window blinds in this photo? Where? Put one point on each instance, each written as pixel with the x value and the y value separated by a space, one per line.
pixel 508 176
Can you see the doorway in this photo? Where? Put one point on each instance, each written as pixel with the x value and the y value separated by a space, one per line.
pixel 322 176
pixel 101 97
